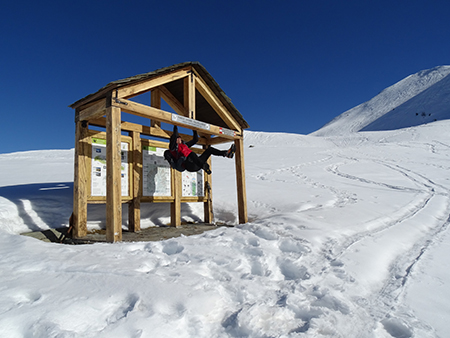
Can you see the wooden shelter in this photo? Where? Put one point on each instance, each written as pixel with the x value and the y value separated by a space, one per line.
pixel 124 147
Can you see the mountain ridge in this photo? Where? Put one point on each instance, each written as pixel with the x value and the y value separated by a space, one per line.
pixel 419 98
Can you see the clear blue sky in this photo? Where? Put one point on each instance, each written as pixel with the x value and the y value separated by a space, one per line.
pixel 288 66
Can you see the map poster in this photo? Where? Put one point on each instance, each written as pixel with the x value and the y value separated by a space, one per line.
pixel 155 172
pixel 98 172
pixel 192 183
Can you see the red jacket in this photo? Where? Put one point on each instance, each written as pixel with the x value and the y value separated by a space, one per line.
pixel 182 150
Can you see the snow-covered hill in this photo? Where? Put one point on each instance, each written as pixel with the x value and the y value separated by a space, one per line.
pixel 420 98
pixel 348 237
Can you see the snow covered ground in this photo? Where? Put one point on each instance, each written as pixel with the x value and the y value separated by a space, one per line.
pixel 348 237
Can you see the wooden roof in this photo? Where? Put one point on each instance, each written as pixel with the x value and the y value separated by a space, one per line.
pixel 204 111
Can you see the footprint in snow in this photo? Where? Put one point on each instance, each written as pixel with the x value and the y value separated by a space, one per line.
pixel 292 271
pixel 172 248
pixel 27 297
pixel 291 246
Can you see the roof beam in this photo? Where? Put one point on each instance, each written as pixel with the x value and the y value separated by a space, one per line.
pixel 173 101
pixel 93 111
pixel 216 104
pixel 127 92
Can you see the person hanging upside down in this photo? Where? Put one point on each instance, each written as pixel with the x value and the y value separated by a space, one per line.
pixel 182 158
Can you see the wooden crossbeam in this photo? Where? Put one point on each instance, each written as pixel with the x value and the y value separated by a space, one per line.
pixel 156 131
pixel 173 101
pixel 93 111
pixel 143 87
pixel 163 116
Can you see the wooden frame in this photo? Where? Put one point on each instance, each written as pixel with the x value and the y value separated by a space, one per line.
pixel 104 109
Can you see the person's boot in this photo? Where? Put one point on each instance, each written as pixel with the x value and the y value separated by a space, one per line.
pixel 206 168
pixel 231 151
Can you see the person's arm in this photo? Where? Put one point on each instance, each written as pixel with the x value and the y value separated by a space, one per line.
pixel 173 139
pixel 194 139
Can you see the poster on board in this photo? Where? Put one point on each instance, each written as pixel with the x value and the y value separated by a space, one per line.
pixel 155 172
pixel 98 172
pixel 192 184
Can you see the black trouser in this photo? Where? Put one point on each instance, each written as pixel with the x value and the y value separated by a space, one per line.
pixel 195 163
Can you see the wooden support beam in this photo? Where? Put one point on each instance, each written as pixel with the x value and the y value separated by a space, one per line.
pixel 189 95
pixel 80 182
pixel 129 127
pixel 216 104
pixel 93 111
pixel 175 206
pixel 240 181
pixel 113 176
pixel 173 102
pixel 163 116
pixel 134 207
pixel 140 88
pixel 156 132
pixel 208 205
pixel 156 103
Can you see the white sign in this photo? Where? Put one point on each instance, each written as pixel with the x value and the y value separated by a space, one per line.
pixel 98 172
pixel 155 172
pixel 190 122
pixel 226 131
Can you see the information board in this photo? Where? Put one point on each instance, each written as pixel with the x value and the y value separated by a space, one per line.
pixel 155 172
pixel 98 172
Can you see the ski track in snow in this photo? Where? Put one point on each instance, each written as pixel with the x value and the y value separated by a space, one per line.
pixel 399 268
pixel 383 306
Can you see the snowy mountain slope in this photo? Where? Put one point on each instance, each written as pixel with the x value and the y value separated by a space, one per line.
pixel 419 98
pixel 348 237
pixel 433 104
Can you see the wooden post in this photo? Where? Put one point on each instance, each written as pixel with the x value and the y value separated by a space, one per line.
pixel 240 180
pixel 113 176
pixel 189 95
pixel 155 103
pixel 80 181
pixel 208 206
pixel 175 206
pixel 134 207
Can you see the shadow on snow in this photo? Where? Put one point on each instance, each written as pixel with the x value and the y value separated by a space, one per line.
pixel 41 206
